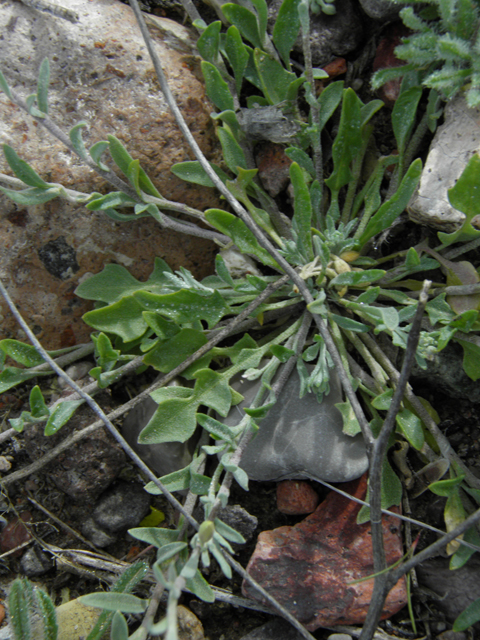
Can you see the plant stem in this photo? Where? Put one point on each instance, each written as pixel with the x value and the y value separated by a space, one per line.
pixel 375 475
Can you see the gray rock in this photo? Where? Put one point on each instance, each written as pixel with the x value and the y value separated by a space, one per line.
pixel 456 589
pixel 330 36
pixel 300 438
pixel 383 10
pixel 339 636
pixel 445 372
pixel 35 562
pixel 239 519
pixel 455 142
pixel 121 507
pixel 276 629
pixel 96 534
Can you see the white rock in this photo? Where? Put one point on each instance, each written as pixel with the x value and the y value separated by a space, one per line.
pixel 455 142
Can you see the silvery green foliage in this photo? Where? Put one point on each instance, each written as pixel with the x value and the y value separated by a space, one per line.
pixel 444 48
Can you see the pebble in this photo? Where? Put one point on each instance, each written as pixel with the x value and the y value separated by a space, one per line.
pixel 35 562
pixel 296 497
pixel 332 550
pixel 189 626
pixel 118 509
pixel 15 534
pixel 239 519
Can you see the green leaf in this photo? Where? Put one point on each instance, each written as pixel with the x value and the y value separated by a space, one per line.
pixel 119 628
pixel 115 283
pixel 115 602
pixel 61 415
pixel 23 171
pixel 469 617
pixel 286 29
pixel 328 101
pixel 4 86
pixel 200 587
pixel 302 217
pixel 38 408
pixel 461 557
pixel 392 492
pixel 348 141
pixel 471 359
pixel 48 614
pixel 170 550
pixel 192 171
pixel 173 421
pixel 232 152
pixel 20 352
pixel 274 78
pixel 175 481
pixel 125 583
pixel 123 318
pixel 42 85
pixel 29 197
pixel 11 376
pixel 170 353
pixel 110 200
pixel 262 17
pixel 75 135
pixel 20 605
pixel 106 355
pixel 222 270
pixel 357 278
pixel 391 209
pixel 463 196
pixel 410 426
pixel 446 488
pixel 209 42
pixel 236 229
pixel 301 158
pixel 404 114
pixel 281 352
pixel 237 55
pixel 245 21
pixel 351 426
pixel 182 306
pixel 96 152
pixel 216 87
pixel 349 324
pixel 154 535
pixel 227 532
pixel 216 429
pixel 123 159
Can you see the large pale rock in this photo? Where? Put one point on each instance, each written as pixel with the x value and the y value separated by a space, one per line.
pixel 100 73
pixel 307 567
pixel 455 142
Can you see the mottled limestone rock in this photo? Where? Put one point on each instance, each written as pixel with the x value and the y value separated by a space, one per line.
pixel 100 73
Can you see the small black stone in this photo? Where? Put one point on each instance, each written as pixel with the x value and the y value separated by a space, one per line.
pixel 59 258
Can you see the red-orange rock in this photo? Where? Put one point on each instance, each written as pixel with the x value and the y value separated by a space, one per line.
pixel 296 497
pixel 385 58
pixel 273 167
pixel 336 67
pixel 15 534
pixel 307 567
